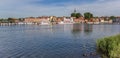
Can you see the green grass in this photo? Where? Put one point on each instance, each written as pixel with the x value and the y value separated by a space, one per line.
pixel 109 47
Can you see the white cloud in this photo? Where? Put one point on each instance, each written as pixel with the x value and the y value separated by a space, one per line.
pixel 18 8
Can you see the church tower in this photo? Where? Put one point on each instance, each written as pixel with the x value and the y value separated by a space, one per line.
pixel 75 10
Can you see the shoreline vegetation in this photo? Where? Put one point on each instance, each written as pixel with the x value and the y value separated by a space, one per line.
pixel 109 47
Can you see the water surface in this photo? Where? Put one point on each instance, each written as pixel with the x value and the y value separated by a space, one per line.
pixel 58 41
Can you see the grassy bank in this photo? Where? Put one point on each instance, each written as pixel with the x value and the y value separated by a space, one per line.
pixel 109 47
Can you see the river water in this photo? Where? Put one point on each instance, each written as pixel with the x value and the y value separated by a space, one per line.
pixel 57 41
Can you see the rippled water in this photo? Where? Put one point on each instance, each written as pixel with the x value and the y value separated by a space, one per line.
pixel 58 41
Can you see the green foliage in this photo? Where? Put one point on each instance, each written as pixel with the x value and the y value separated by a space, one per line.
pixel 73 15
pixel 112 17
pixel 88 15
pixel 109 46
pixel 11 20
pixel 3 20
pixel 77 15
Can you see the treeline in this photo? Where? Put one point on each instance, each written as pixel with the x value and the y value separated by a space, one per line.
pixel 88 15
pixel 11 20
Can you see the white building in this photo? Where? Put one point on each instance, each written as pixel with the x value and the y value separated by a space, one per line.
pixel 68 20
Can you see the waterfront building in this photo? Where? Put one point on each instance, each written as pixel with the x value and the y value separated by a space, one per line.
pixel 117 20
pixel 44 20
pixel 102 20
pixel 53 19
pixel 110 21
pixel 37 20
pixel 31 20
pixel 60 20
pixel 68 20
pixel 79 20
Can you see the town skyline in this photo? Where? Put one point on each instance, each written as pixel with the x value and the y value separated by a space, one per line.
pixel 34 8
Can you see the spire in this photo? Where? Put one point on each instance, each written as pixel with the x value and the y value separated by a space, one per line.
pixel 74 10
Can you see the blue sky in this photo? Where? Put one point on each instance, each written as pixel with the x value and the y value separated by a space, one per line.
pixel 26 8
pixel 62 2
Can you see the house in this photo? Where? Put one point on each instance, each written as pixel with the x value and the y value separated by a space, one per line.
pixel 96 20
pixel 110 21
pixel 117 20
pixel 37 20
pixel 102 20
pixel 31 20
pixel 53 19
pixel 44 20
pixel 68 20
pixel 60 20
pixel 79 20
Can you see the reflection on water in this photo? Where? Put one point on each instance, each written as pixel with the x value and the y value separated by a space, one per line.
pixel 88 28
pixel 77 28
pixel 57 41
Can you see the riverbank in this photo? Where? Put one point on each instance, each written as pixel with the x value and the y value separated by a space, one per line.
pixel 9 24
pixel 109 47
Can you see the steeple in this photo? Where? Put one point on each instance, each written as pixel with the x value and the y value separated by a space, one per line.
pixel 74 10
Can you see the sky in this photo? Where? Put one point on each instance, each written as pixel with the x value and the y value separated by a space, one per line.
pixel 34 8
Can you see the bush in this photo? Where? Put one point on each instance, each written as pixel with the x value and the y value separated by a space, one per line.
pixel 109 46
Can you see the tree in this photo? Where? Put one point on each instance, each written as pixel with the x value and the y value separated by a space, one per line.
pixel 112 17
pixel 1 20
pixel 73 15
pixel 88 15
pixel 11 20
pixel 77 15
